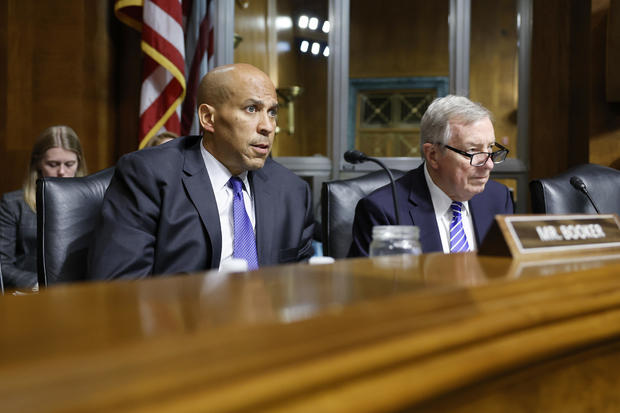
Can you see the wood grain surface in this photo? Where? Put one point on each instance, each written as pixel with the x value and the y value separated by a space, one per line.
pixel 436 332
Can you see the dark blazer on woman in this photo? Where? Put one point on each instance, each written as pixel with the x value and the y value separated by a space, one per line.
pixel 18 241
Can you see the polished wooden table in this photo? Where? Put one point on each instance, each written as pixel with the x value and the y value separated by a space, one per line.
pixel 453 333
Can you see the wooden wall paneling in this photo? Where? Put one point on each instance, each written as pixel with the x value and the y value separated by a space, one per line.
pixel 293 69
pixel 16 139
pixel 311 106
pixel 3 91
pixel 560 90
pixel 251 25
pixel 98 82
pixel 580 90
pixel 604 114
pixel 126 67
pixel 493 65
pixel 548 83
pixel 287 61
pixel 309 72
pixel 405 38
pixel 57 72
pixel 613 50
pixel 20 43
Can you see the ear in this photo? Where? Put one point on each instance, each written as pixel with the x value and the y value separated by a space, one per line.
pixel 431 153
pixel 206 117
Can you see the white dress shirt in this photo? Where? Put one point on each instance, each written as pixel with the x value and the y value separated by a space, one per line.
pixel 219 176
pixel 443 215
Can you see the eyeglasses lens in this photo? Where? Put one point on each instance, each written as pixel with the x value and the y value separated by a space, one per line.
pixel 479 159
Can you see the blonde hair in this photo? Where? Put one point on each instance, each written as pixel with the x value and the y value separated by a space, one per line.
pixel 53 137
pixel 158 139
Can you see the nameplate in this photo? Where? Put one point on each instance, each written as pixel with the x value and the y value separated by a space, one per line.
pixel 549 235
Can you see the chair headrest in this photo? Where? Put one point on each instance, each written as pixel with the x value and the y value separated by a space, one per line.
pixel 67 211
pixel 556 195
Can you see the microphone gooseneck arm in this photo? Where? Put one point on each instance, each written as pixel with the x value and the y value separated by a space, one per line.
pixel 579 185
pixel 355 156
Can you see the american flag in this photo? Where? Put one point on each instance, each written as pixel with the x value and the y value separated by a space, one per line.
pixel 177 41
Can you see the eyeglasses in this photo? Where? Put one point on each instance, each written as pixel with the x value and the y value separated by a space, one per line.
pixel 481 158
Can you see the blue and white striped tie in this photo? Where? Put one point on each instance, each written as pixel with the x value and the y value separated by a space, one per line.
pixel 458 240
pixel 244 242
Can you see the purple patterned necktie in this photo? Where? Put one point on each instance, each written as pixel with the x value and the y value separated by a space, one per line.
pixel 244 243
pixel 458 240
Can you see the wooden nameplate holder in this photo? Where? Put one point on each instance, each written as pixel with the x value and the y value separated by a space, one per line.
pixel 539 236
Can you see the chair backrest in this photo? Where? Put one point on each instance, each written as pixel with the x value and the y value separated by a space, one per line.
pixel 556 195
pixel 67 211
pixel 338 201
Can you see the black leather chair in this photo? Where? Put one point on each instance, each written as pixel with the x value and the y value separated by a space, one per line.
pixel 338 201
pixel 67 211
pixel 556 195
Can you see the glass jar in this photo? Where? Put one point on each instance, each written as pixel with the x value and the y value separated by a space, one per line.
pixel 395 239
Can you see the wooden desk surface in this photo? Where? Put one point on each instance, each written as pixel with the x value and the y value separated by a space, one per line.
pixel 436 332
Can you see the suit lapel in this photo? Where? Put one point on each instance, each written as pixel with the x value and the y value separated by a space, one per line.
pixel 265 209
pixel 199 190
pixel 422 212
pixel 478 212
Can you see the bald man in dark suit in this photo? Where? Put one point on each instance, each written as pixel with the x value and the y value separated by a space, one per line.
pixel 168 208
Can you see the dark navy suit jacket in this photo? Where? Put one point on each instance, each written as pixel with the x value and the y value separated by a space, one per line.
pixel 159 215
pixel 18 241
pixel 416 208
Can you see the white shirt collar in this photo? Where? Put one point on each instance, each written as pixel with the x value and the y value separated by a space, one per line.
pixel 218 173
pixel 441 201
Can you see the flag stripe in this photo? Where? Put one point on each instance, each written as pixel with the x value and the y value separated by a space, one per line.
pixel 160 110
pixel 171 30
pixel 172 9
pixel 198 47
pixel 189 105
pixel 168 50
pixel 163 101
pixel 163 88
pixel 161 22
pixel 129 12
pixel 152 87
pixel 149 66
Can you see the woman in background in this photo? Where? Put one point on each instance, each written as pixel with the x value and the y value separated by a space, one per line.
pixel 57 152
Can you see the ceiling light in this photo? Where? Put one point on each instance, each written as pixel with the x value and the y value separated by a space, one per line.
pixel 283 22
pixel 313 23
pixel 315 48
pixel 302 22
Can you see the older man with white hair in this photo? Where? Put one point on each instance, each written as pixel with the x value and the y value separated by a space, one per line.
pixel 449 197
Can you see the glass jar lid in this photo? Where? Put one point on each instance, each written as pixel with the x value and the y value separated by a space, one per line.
pixel 384 232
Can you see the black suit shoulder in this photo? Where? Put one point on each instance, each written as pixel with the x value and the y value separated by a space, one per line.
pixel 403 186
pixel 281 175
pixel 162 157
pixel 14 197
pixel 18 240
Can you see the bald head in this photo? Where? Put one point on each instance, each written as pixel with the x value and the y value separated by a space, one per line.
pixel 218 85
pixel 237 111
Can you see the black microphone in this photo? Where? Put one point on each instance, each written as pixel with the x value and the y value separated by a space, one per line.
pixel 579 185
pixel 354 156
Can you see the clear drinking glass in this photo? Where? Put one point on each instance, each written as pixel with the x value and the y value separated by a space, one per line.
pixel 394 240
